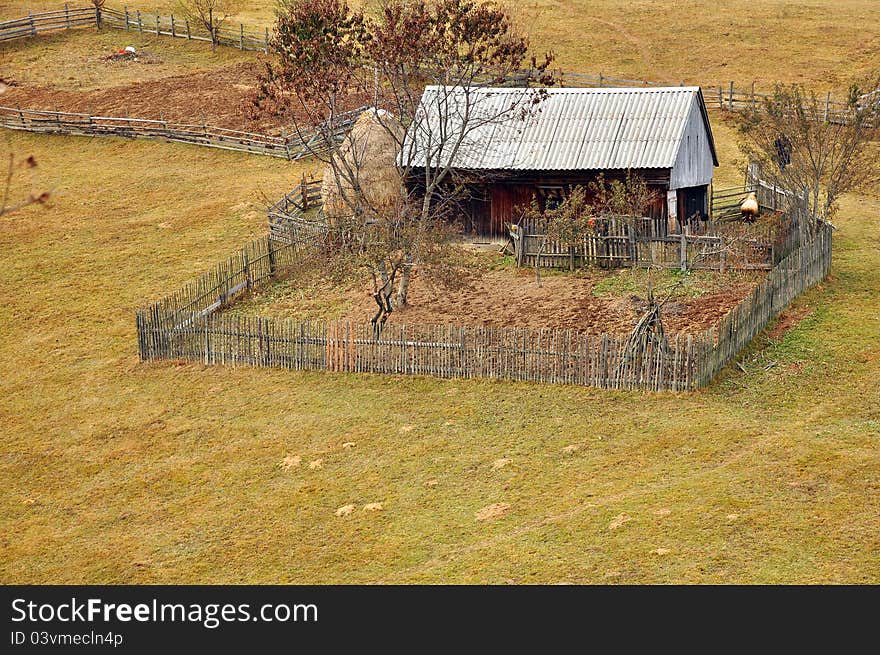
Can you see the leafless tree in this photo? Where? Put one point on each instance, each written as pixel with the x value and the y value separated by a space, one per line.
pixel 210 14
pixel 630 196
pixel 11 199
pixel 333 58
pixel 811 153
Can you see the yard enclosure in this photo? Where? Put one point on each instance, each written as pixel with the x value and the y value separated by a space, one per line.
pixel 718 243
pixel 185 326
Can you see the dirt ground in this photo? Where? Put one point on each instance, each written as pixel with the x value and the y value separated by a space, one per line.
pixel 219 96
pixel 588 301
pixel 513 298
pixel 222 97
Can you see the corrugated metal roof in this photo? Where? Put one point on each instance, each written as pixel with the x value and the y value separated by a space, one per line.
pixel 573 129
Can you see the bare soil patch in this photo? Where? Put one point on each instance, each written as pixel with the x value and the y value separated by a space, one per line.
pixel 499 295
pixel 222 97
pixel 493 511
pixel 219 96
pixel 787 320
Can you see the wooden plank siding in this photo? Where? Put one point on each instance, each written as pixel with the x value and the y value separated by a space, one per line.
pixel 506 205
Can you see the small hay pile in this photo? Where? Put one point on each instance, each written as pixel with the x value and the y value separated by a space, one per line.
pixel 370 152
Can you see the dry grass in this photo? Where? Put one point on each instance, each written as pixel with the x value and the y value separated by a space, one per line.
pixel 116 471
pixel 123 472
pixel 823 42
pixel 74 60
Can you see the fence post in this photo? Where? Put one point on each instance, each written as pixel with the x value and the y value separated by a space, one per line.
pixel 633 255
pixel 286 143
pixel 140 23
pixel 247 272
pixel 827 105
pixel 266 49
pixel 753 96
pixel 600 80
pixel 157 24
pixel 752 175
pixel 33 26
pixel 730 99
pixel 67 15
pixel 241 36
pixel 271 256
pixel 173 33
pixel 188 35
pixel 683 248
pixel 305 197
pixel 126 17
pixel 721 98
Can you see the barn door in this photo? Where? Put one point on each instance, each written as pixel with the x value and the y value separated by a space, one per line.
pixel 507 203
pixel 479 219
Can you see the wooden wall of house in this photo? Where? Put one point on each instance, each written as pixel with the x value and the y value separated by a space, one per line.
pixel 493 203
pixel 507 198
pixel 507 204
pixel 694 165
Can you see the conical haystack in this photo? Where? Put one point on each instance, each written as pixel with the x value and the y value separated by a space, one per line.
pixel 369 155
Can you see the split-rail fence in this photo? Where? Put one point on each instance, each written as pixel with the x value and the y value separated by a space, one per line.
pixel 236 36
pixel 288 146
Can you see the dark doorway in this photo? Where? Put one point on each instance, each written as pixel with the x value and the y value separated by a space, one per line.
pixel 693 206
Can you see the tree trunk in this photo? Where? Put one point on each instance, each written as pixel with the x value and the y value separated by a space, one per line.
pixel 403 285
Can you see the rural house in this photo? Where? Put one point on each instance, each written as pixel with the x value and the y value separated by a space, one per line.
pixel 506 159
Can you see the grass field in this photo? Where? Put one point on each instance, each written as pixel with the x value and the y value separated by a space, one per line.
pixel 116 471
pixel 824 42
pixel 73 60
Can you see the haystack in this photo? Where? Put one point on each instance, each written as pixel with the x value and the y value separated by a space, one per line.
pixel 370 150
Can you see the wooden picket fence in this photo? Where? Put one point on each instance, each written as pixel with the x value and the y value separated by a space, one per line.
pixel 187 325
pixel 803 268
pixel 288 146
pixel 632 241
